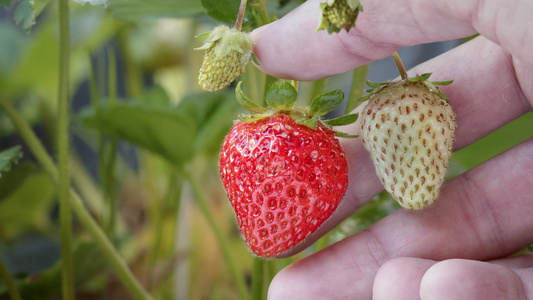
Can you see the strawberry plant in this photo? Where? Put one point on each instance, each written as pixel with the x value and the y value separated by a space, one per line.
pixel 123 174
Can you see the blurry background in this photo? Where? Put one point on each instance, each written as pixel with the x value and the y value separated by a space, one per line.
pixel 145 144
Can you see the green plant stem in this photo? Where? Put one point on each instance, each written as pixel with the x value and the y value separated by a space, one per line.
pixel 358 86
pixel 63 153
pixel 169 207
pixel 322 243
pixel 119 265
pixel 271 269
pixel 399 64
pixel 240 17
pixel 260 9
pixel 134 76
pixel 224 246
pixel 9 282
pixel 95 103
pixel 110 161
pixel 317 88
pixel 258 271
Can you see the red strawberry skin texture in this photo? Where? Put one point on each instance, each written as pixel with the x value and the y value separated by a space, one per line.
pixel 283 180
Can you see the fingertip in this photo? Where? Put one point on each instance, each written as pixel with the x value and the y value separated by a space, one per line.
pixel 292 48
pixel 399 278
pixel 467 279
pixel 290 281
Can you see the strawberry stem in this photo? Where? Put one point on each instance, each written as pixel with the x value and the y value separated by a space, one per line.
pixel 240 17
pixel 399 64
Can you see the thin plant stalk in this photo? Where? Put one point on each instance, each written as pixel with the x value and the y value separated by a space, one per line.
pixel 258 271
pixel 316 89
pixel 399 64
pixel 357 88
pixel 169 207
pixel 63 153
pixel 95 103
pixel 110 159
pixel 84 217
pixel 322 243
pixel 133 72
pixel 9 282
pixel 259 7
pixel 240 17
pixel 201 200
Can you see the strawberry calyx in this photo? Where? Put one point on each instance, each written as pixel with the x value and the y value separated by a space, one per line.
pixel 281 98
pixel 227 40
pixel 377 87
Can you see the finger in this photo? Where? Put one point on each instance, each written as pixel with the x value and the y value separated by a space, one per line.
pixel 482 214
pixel 481 105
pixel 409 278
pixel 516 262
pixel 291 47
pixel 467 279
pixel 400 278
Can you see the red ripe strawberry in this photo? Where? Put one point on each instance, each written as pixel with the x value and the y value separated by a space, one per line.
pixel 284 173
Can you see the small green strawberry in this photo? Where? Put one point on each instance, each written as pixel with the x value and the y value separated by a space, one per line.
pixel 339 14
pixel 283 169
pixel 408 127
pixel 227 54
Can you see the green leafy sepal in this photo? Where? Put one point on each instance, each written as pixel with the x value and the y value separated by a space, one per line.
pixel 281 98
pixel 376 87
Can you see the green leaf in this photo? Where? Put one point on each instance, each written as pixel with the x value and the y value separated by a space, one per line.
pixel 90 264
pixel 213 114
pixel 137 10
pixel 6 3
pixel 327 102
pixel 169 133
pixel 246 102
pixel 25 15
pixel 345 135
pixel 419 78
pixel 432 88
pixel 343 120
pixel 8 158
pixel 311 123
pixel 281 96
pixel 27 207
pixel 497 142
pixel 374 85
pixel 13 45
pixel 12 180
pixel 222 10
pixel 203 36
pixel 442 82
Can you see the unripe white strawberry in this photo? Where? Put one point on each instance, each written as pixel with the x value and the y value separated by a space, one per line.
pixel 408 127
pixel 227 54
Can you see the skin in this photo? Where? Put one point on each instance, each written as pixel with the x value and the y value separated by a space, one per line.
pixel 459 247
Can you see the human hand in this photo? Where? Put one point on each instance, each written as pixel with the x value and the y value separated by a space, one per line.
pixel 456 248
